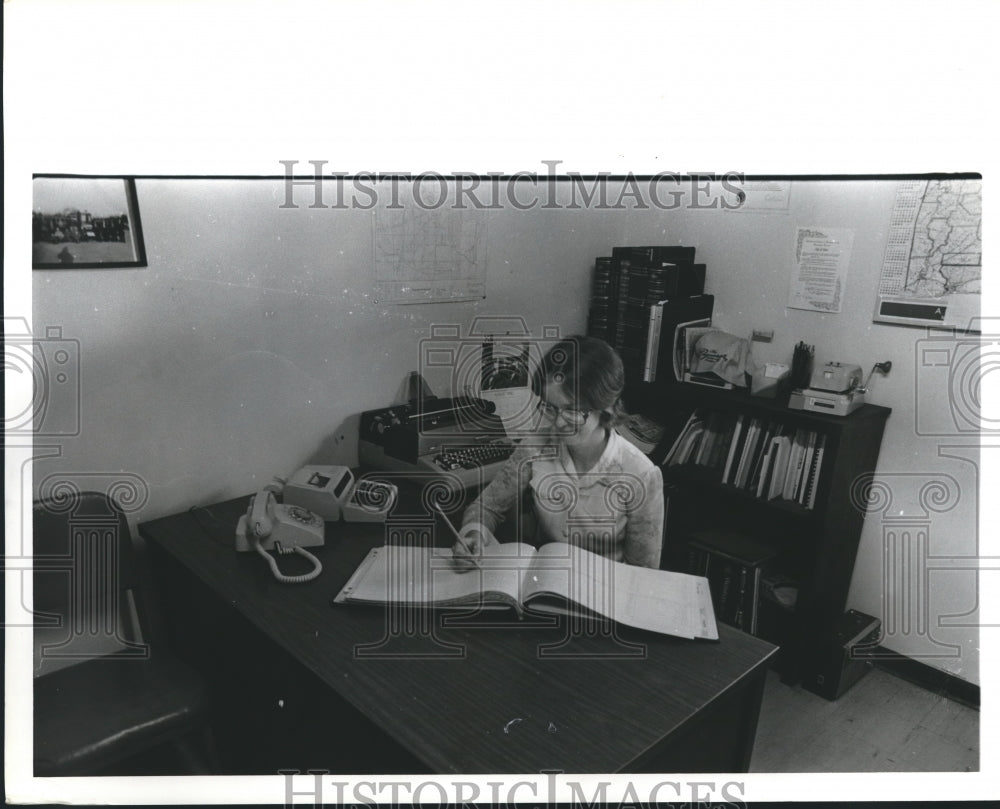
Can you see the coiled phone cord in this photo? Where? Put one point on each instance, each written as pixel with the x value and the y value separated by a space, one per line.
pixel 312 574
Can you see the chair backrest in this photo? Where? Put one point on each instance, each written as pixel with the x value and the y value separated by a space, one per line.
pixel 84 574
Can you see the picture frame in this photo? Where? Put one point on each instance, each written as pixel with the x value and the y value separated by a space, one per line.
pixel 85 223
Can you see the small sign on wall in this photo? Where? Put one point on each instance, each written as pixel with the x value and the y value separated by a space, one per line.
pixel 763 196
pixel 822 256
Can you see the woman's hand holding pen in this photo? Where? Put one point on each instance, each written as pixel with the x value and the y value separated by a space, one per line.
pixel 470 544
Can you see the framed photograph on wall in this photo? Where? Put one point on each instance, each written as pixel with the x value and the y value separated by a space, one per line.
pixel 85 223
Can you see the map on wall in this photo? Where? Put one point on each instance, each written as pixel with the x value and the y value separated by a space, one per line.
pixel 428 255
pixel 932 269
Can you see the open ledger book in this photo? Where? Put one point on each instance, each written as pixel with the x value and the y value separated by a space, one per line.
pixel 555 578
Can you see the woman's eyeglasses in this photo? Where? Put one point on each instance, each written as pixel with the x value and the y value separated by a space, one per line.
pixel 569 415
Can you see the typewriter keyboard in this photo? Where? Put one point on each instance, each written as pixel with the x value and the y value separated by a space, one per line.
pixel 473 457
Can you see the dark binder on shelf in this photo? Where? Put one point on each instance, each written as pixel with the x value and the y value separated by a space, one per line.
pixel 655 253
pixel 677 274
pixel 599 315
pixel 720 448
pixel 614 292
pixel 698 273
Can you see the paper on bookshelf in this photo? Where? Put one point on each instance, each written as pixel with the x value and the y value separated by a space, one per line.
pixel 746 460
pixel 779 471
pixel 671 453
pixel 652 356
pixel 735 445
pixel 814 472
pixel 806 467
pixel 795 461
pixel 643 432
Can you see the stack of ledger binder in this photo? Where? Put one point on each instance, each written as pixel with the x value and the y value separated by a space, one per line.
pixel 630 290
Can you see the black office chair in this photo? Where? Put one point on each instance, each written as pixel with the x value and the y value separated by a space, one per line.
pixel 105 693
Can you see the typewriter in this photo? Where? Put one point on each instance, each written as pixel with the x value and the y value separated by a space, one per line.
pixel 461 441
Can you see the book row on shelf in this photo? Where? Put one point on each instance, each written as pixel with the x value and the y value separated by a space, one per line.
pixel 767 458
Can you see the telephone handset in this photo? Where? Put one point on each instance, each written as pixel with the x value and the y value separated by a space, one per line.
pixel 268 525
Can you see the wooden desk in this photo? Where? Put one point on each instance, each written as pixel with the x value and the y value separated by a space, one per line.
pixel 445 699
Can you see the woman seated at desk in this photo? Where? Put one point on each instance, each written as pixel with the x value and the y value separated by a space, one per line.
pixel 586 485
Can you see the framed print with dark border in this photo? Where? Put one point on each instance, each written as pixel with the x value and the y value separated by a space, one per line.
pixel 85 223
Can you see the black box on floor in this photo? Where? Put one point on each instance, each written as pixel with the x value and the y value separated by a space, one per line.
pixel 838 661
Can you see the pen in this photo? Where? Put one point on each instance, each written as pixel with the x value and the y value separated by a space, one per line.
pixel 458 536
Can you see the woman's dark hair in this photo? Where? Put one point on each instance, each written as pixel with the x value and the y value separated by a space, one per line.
pixel 589 371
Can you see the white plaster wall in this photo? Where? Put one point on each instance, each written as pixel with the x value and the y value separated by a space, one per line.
pixel 252 342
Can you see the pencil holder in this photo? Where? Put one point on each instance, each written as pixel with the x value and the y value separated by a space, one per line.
pixel 802 362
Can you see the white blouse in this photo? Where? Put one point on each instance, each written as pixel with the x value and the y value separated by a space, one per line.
pixel 614 509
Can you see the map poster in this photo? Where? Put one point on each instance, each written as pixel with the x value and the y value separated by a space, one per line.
pixel 429 255
pixel 932 268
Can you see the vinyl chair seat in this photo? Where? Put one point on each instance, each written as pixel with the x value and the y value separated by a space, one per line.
pixel 86 715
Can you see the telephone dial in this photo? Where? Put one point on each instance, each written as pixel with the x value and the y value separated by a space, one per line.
pixel 269 525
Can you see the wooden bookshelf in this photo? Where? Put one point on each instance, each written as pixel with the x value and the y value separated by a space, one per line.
pixel 814 546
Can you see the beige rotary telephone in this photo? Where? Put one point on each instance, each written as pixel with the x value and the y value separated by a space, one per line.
pixel 268 525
